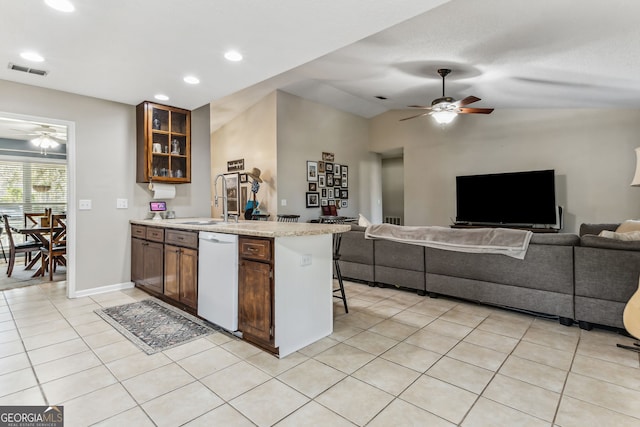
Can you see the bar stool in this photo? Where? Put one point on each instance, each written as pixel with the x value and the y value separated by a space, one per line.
pixel 260 217
pixel 288 218
pixel 337 239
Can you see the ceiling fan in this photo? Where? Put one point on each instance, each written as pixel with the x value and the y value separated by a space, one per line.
pixel 46 137
pixel 46 130
pixel 445 109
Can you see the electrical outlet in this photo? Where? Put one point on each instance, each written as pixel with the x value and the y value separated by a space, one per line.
pixel 305 259
pixel 283 202
pixel 122 203
pixel 84 205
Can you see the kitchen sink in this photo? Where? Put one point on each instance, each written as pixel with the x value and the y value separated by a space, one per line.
pixel 207 222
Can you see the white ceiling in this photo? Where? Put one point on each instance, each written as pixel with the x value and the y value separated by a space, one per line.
pixel 343 53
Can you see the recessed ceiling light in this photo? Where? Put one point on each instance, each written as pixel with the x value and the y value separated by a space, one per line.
pixel 161 97
pixel 192 80
pixel 32 56
pixel 233 55
pixel 61 5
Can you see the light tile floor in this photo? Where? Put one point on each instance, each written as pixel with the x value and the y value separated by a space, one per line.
pixel 396 359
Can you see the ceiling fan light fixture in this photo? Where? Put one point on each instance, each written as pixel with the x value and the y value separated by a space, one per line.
pixel 44 142
pixel 61 5
pixel 444 117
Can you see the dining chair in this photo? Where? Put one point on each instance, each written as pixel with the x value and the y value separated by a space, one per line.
pixel 4 255
pixel 17 248
pixel 54 253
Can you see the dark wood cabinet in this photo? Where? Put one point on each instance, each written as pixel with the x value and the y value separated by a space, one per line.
pixel 180 275
pixel 181 267
pixel 163 143
pixel 165 262
pixel 147 267
pixel 256 292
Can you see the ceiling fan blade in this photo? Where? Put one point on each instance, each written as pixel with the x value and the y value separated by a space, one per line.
pixel 466 101
pixel 419 106
pixel 413 117
pixel 475 110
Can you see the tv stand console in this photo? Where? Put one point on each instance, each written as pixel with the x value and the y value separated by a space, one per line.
pixel 532 229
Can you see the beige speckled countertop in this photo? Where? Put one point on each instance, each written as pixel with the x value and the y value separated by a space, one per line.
pixel 248 228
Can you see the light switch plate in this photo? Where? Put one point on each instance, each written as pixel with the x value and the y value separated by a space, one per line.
pixel 84 205
pixel 122 203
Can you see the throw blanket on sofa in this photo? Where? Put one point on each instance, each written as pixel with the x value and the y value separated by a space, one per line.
pixel 506 241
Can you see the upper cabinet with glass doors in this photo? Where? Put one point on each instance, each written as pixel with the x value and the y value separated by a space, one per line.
pixel 164 144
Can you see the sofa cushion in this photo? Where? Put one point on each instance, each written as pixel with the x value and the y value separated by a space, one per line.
pixel 627 236
pixel 561 239
pixel 596 228
pixel 589 240
pixel 629 225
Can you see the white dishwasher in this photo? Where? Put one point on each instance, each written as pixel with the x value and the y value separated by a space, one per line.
pixel 218 279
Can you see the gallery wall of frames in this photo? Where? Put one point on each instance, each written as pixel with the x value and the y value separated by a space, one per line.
pixel 327 183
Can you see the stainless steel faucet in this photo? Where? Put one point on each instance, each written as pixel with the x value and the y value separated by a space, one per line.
pixel 225 212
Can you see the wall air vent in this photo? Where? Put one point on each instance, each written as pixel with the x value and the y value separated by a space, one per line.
pixel 29 70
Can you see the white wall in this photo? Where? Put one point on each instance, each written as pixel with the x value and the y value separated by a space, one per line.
pixel 250 136
pixel 305 130
pixel 592 152
pixel 105 165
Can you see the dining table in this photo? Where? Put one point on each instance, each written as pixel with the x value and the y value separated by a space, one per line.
pixel 40 234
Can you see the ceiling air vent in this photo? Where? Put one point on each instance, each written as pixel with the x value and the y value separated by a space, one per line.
pixel 29 70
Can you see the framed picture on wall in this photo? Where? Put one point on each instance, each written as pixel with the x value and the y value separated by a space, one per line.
pixel 328 157
pixel 324 202
pixel 343 181
pixel 330 193
pixel 337 181
pixel 344 204
pixel 244 178
pixel 345 171
pixel 321 167
pixel 323 193
pixel 336 169
pixel 329 180
pixel 344 194
pixel 313 186
pixel 312 171
pixel 331 202
pixel 313 200
pixel 328 167
pixel 321 180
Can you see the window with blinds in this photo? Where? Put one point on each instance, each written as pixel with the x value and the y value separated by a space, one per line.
pixel 32 186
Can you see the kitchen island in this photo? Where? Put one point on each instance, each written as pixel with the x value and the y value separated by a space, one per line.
pixel 284 288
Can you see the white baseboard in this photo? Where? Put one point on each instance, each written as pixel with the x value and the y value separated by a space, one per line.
pixel 102 290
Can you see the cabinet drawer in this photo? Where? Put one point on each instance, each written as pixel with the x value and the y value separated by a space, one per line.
pixel 188 239
pixel 155 234
pixel 139 231
pixel 255 249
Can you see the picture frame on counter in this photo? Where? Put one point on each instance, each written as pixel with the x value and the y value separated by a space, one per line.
pixel 233 192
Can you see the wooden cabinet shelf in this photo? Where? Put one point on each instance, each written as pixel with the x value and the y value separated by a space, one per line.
pixel 163 143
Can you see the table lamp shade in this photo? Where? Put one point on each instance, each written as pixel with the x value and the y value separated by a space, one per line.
pixel 636 177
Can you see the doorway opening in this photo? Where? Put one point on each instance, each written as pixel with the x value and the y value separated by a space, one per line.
pixel 392 172
pixel 34 183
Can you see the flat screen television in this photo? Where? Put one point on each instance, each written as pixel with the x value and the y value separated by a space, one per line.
pixel 515 198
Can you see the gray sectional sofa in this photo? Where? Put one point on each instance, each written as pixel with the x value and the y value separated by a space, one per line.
pixel 583 278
